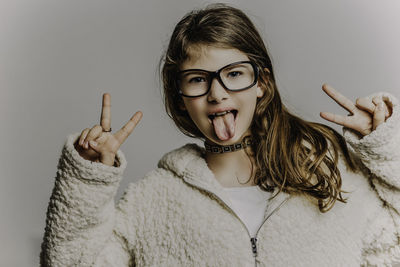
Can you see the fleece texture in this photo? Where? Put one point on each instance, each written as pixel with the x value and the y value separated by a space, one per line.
pixel 179 214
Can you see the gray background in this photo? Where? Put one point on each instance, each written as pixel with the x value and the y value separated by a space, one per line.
pixel 58 57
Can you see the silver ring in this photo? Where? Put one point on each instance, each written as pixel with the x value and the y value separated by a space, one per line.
pixel 107 131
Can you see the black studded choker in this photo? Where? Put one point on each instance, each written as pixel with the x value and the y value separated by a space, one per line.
pixel 218 149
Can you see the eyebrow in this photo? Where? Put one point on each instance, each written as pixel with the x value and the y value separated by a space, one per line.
pixel 240 65
pixel 234 64
pixel 188 72
pixel 227 66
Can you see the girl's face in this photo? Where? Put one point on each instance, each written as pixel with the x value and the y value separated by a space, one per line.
pixel 223 129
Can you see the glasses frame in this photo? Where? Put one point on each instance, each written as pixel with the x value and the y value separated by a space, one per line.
pixel 217 74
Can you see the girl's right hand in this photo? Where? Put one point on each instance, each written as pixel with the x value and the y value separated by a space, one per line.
pixel 96 144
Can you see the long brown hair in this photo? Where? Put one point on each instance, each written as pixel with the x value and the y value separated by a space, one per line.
pixel 296 155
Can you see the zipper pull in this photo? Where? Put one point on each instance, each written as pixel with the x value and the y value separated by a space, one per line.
pixel 253 241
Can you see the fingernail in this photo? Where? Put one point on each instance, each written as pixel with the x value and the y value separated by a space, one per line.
pixel 380 106
pixel 93 143
pixel 86 144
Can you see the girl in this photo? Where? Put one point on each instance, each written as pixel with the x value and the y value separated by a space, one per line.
pixel 267 188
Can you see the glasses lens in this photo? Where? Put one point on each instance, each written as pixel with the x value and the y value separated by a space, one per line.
pixel 194 83
pixel 238 76
pixel 234 77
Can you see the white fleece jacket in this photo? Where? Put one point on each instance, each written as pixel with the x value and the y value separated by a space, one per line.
pixel 179 215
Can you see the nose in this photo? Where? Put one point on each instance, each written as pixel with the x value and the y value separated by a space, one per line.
pixel 217 92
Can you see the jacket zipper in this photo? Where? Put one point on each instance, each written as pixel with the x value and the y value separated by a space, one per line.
pixel 253 240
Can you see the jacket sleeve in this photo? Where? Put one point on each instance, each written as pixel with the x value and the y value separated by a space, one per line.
pixel 81 214
pixel 379 153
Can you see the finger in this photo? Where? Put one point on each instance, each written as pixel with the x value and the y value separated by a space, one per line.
pixel 335 118
pixel 101 139
pixel 388 105
pixel 377 100
pixel 105 120
pixel 339 98
pixel 127 129
pixel 83 136
pixel 97 143
pixel 379 116
pixel 93 134
pixel 365 104
pixel 95 146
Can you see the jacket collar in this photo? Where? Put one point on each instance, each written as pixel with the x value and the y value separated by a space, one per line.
pixel 188 163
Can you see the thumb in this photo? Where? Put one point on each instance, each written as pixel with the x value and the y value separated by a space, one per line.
pixel 106 158
pixel 379 116
pixel 95 146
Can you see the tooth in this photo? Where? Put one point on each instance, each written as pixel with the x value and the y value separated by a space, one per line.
pixel 222 113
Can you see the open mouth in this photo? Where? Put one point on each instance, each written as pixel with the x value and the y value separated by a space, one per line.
pixel 233 111
pixel 224 124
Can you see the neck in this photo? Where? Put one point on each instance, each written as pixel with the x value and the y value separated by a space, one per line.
pixel 232 169
pixel 218 149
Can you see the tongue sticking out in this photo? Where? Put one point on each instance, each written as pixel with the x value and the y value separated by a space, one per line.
pixel 224 126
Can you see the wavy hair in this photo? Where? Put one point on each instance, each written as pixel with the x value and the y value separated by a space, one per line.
pixel 290 153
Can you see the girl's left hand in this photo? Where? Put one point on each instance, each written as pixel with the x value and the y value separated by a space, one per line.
pixel 365 115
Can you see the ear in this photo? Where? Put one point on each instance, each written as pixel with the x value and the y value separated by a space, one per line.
pixel 264 77
pixel 260 91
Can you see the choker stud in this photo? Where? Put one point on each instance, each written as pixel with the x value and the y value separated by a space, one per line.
pixel 219 149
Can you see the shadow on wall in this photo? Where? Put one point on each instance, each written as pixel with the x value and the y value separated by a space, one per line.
pixel 36 243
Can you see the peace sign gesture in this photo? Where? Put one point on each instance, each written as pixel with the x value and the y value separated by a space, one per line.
pixel 365 115
pixel 98 143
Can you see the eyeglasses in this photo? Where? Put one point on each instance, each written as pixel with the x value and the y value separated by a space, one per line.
pixel 236 76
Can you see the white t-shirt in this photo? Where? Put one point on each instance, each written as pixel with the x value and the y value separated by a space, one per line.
pixel 249 203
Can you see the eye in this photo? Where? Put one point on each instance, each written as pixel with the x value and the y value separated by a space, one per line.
pixel 197 80
pixel 234 74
